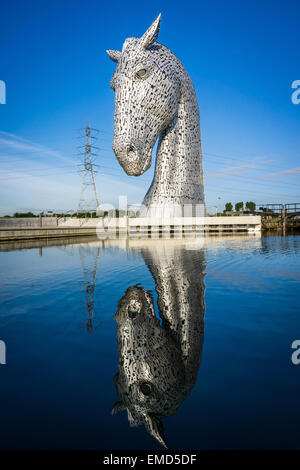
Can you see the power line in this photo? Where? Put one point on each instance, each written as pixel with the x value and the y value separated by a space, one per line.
pixel 218 188
pixel 258 181
pixel 37 176
pixel 241 161
pixel 207 185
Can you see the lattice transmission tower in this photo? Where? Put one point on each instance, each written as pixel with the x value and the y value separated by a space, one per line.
pixel 88 200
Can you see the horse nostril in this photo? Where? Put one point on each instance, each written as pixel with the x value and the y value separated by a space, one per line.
pixel 131 314
pixel 146 388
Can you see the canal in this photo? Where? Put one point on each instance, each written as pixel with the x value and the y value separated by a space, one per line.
pixel 137 344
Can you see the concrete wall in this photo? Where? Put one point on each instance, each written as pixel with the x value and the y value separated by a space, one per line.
pixel 132 222
pixel 43 233
pixel 28 222
pixel 76 222
pixel 100 226
pixel 234 220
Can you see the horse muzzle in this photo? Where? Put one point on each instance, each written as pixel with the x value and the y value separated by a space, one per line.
pixel 131 158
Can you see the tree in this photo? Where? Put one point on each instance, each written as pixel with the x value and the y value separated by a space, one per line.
pixel 251 206
pixel 24 214
pixel 228 207
pixel 239 206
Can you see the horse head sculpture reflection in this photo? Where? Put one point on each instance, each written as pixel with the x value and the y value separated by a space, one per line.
pixel 159 360
pixel 155 98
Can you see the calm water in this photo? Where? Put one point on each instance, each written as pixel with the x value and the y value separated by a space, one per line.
pixel 189 343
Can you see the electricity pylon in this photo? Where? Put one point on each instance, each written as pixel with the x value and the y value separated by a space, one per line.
pixel 88 200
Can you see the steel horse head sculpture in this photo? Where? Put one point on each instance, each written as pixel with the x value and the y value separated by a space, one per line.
pixel 155 99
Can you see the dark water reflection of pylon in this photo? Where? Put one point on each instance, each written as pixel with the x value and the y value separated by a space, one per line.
pixel 89 257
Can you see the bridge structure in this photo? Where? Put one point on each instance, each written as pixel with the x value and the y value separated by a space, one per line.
pixel 291 209
pixel 287 215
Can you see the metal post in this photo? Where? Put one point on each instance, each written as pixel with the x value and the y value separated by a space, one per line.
pixel 283 221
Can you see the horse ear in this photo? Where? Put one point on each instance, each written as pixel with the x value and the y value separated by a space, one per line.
pixel 118 406
pixel 151 34
pixel 155 427
pixel 114 55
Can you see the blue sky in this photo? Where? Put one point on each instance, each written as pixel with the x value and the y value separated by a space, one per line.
pixel 241 56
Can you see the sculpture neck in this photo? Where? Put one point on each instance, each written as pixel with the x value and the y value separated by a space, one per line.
pixel 178 177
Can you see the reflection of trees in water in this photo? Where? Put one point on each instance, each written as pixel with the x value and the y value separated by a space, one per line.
pixel 159 360
pixel 89 258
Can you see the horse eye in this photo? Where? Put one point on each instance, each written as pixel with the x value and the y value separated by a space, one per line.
pixel 146 388
pixel 141 73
